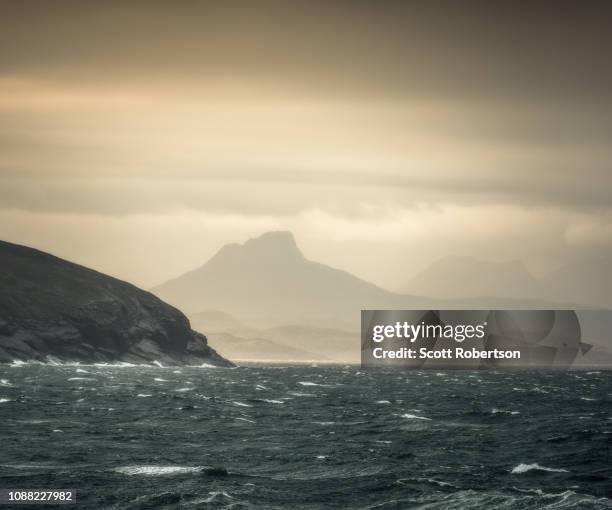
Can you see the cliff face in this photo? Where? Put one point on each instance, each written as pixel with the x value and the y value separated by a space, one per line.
pixel 53 309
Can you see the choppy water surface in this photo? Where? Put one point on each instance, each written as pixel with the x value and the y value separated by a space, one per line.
pixel 308 437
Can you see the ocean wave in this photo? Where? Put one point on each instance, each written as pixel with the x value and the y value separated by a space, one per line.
pixel 524 468
pixel 459 500
pixel 121 364
pixel 206 365
pixel 215 496
pixel 414 417
pixel 542 494
pixel 158 470
pixel 503 411
pixel 433 481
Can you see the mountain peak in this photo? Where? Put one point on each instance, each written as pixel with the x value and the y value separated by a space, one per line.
pixel 271 247
pixel 277 242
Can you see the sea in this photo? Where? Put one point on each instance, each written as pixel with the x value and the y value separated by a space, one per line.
pixel 307 437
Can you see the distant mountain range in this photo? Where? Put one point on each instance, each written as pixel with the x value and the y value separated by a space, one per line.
pixel 461 277
pixel 52 310
pixel 263 300
pixel 268 282
pixel 585 282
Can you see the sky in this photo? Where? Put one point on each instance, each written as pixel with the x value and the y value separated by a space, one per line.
pixel 139 137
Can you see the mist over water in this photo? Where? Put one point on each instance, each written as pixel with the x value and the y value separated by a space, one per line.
pixel 308 437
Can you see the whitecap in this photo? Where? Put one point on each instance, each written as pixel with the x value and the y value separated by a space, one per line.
pixel 5 383
pixel 308 383
pixel 81 379
pixel 241 404
pixel 298 394
pixel 182 390
pixel 245 419
pixel 215 495
pixel 157 470
pixel 383 402
pixel 321 457
pixel 143 395
pixel 207 365
pixel 121 364
pixel 81 371
pixel 3 400
pixel 546 495
pixel 503 411
pixel 440 483
pixel 158 364
pixel 159 379
pixel 524 468
pixel 57 430
pixel 272 401
pixel 414 417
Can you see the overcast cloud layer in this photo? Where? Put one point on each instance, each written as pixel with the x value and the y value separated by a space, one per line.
pixel 139 137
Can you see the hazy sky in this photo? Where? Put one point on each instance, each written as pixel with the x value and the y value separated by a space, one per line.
pixel 138 137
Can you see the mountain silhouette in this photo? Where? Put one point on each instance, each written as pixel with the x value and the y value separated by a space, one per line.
pixel 587 281
pixel 268 279
pixel 580 283
pixel 460 277
pixel 267 282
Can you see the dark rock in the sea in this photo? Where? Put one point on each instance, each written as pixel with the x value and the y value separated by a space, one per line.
pixel 215 471
pixel 54 310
